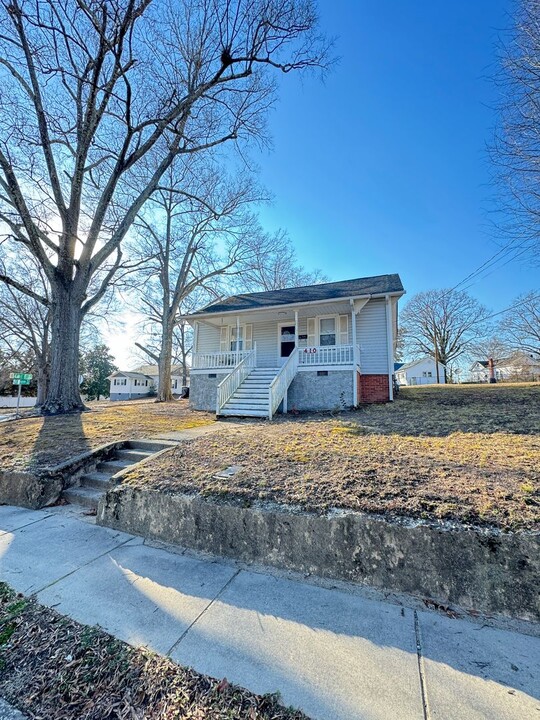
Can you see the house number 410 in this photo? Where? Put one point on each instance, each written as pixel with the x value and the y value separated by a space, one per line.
pixel 310 350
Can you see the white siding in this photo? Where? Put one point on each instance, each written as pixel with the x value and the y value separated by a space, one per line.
pixel 266 336
pixel 415 374
pixel 208 339
pixel 371 336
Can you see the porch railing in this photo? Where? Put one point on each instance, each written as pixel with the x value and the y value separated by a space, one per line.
pixel 217 360
pixel 328 355
pixel 280 384
pixel 228 386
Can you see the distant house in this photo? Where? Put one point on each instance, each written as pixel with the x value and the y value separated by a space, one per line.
pixel 420 372
pixel 141 382
pixel 317 347
pixel 517 366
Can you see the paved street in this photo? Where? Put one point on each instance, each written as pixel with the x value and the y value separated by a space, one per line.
pixel 339 654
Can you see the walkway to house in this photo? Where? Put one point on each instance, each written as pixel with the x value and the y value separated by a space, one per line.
pixel 337 653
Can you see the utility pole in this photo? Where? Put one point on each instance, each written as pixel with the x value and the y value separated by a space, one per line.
pixel 436 351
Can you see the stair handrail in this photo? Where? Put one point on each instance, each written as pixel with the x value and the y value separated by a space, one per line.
pixel 280 384
pixel 231 383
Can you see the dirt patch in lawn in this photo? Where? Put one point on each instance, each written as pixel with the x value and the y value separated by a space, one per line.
pixel 462 453
pixel 52 667
pixel 37 442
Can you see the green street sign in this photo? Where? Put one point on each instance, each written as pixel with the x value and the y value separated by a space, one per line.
pixel 21 376
pixel 21 381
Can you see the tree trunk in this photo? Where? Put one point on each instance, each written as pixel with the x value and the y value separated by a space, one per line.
pixel 63 394
pixel 42 381
pixel 165 363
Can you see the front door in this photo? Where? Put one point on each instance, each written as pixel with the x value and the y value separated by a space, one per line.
pixel 286 341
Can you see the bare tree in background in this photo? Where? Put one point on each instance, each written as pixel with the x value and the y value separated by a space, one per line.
pixel 442 324
pixel 494 346
pixel 98 99
pixel 274 266
pixel 521 325
pixel 188 241
pixel 25 323
pixel 516 148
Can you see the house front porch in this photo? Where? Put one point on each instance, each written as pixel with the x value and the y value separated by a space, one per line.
pixel 301 356
pixel 287 359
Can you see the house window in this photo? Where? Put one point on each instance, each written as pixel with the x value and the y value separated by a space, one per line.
pixel 237 343
pixel 327 331
pixel 228 341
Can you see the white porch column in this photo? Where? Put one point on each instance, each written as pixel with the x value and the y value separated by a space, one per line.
pixel 390 344
pixel 237 339
pixel 296 329
pixel 353 320
pixel 196 337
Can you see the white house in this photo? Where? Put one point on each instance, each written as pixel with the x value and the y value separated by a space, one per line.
pixel 142 382
pixel 317 347
pixel 420 372
pixel 519 365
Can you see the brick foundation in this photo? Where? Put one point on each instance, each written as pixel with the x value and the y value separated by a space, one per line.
pixel 373 388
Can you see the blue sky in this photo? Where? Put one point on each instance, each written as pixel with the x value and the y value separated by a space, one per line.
pixel 383 167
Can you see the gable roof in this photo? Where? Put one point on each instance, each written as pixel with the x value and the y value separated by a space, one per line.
pixel 153 371
pixel 411 364
pixel 397 366
pixel 360 287
pixel 136 375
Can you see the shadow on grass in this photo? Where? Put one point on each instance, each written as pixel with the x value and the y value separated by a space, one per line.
pixel 60 438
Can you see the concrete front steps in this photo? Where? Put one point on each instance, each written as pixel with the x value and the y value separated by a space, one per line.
pixel 251 398
pixel 95 483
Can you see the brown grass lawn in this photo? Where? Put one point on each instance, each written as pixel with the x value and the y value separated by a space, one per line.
pixel 468 453
pixel 37 442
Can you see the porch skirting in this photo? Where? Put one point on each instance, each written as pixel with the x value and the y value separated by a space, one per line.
pixel 312 391
pixel 203 389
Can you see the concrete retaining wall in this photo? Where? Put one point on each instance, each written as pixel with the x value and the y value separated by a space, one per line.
pixel 35 490
pixel 309 391
pixel 475 569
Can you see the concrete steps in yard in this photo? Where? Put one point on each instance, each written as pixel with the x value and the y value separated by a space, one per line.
pixel 95 483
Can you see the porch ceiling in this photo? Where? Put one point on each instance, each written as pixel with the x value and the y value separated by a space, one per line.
pixel 281 314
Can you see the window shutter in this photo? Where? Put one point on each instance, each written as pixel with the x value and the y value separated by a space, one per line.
pixel 311 330
pixel 224 339
pixel 248 337
pixel 343 329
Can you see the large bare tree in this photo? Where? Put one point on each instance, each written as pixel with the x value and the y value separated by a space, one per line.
pixel 97 99
pixel 196 228
pixel 442 324
pixel 516 147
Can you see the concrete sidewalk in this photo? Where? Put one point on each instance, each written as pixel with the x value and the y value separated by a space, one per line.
pixel 338 654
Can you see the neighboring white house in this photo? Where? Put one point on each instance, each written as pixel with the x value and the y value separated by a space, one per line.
pixel 419 372
pixel 517 366
pixel 317 347
pixel 142 382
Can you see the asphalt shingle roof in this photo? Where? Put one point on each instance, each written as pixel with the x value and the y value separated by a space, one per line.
pixel 378 285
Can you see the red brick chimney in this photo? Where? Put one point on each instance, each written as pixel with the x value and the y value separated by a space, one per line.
pixel 491 367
